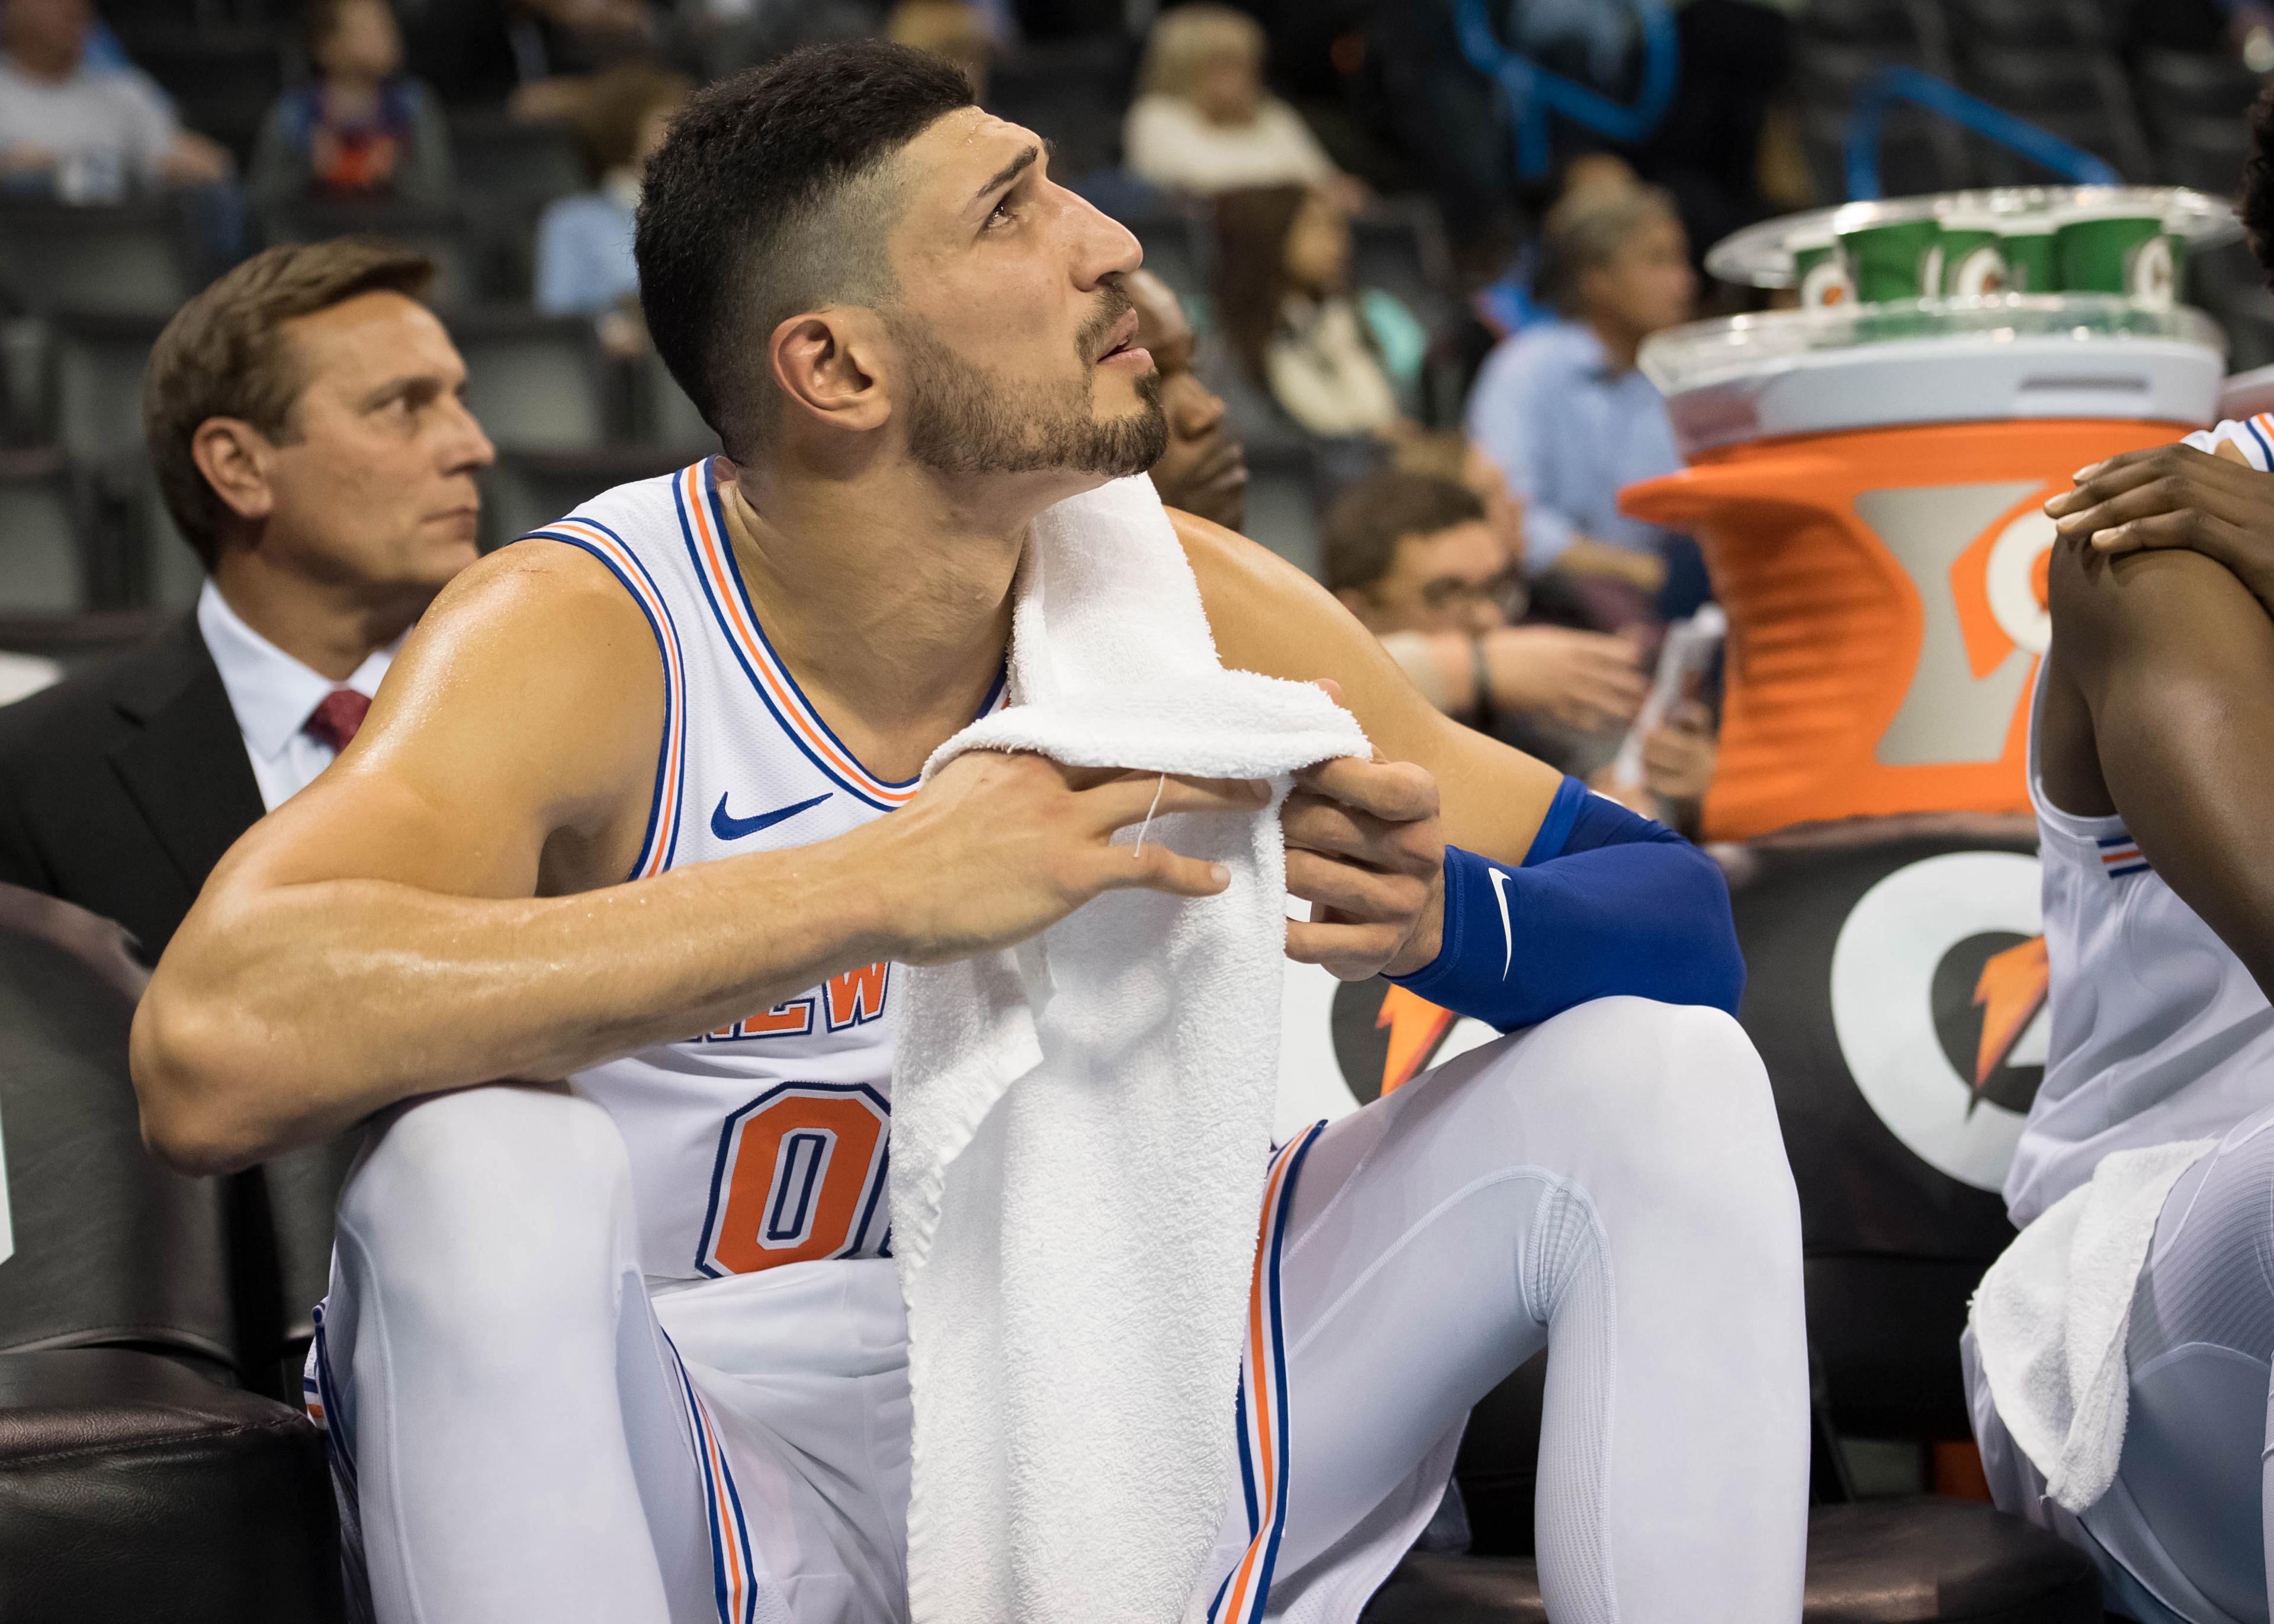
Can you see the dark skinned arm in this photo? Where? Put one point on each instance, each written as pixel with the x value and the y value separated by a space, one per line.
pixel 2177 497
pixel 2160 705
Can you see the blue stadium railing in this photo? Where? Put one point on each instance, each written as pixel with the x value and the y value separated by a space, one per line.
pixel 1533 91
pixel 1890 84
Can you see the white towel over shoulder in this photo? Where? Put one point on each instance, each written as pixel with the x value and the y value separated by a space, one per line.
pixel 2052 1315
pixel 1080 1126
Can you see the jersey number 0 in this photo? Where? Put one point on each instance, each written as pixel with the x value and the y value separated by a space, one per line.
pixel 800 1176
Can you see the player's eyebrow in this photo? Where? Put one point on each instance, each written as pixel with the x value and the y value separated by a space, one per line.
pixel 1008 173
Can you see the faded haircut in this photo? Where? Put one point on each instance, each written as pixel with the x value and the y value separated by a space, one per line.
pixel 773 194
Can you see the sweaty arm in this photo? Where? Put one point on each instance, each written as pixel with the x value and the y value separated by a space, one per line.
pixel 2159 705
pixel 444 906
pixel 1598 901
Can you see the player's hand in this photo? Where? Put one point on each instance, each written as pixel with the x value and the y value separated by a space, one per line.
pixel 1365 849
pixel 2175 496
pixel 1584 680
pixel 999 848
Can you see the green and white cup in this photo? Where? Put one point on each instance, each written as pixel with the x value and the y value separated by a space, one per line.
pixel 1973 256
pixel 2027 241
pixel 1892 260
pixel 1819 270
pixel 2109 248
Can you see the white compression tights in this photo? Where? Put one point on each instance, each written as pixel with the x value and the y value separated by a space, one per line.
pixel 1610 1183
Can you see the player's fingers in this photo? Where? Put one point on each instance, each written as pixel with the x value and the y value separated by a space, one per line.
pixel 2163 483
pixel 1351 952
pixel 2131 469
pixel 2197 531
pixel 1311 822
pixel 1154 867
pixel 1398 791
pixel 1130 798
pixel 1360 892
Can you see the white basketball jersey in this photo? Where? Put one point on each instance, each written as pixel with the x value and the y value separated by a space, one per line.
pixel 764 1142
pixel 2158 1032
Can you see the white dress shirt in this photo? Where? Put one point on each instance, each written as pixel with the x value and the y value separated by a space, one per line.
pixel 273 695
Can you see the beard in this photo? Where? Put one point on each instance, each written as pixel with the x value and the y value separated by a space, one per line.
pixel 965 418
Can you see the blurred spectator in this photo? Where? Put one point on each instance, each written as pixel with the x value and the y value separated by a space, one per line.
pixel 723 37
pixel 1679 757
pixel 950 28
pixel 1416 558
pixel 360 128
pixel 1445 454
pixel 1204 470
pixel 1560 405
pixel 1202 120
pixel 82 131
pixel 532 56
pixel 304 417
pixel 1332 356
pixel 584 264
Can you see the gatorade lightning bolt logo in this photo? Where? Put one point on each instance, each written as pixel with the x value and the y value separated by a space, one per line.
pixel 1415 1025
pixel 1383 1036
pixel 2009 992
pixel 1937 988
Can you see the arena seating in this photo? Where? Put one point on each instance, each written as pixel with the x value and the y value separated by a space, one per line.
pixel 139 1461
pixel 45 550
pixel 131 258
pixel 534 382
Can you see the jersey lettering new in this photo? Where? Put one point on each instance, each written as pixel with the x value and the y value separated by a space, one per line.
pixel 764 1141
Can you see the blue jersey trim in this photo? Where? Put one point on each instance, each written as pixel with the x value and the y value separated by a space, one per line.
pixel 2265 449
pixel 674 706
pixel 742 590
pixel 726 630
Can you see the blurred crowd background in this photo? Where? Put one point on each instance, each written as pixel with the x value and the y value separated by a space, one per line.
pixel 1397 313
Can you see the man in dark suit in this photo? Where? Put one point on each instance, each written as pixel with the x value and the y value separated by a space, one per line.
pixel 304 418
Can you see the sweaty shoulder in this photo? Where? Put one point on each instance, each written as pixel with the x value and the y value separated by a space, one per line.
pixel 1269 617
pixel 532 687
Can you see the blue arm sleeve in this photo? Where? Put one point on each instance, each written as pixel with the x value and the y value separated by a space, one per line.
pixel 1605 903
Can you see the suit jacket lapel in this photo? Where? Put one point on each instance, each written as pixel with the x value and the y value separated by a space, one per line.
pixel 185 768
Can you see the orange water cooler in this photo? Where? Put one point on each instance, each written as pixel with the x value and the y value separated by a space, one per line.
pixel 1867 486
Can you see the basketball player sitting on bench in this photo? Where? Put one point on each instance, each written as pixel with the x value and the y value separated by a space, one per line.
pixel 2152 767
pixel 717 683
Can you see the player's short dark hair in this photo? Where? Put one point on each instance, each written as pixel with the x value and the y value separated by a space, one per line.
pixel 763 202
pixel 1366 525
pixel 2256 206
pixel 224 354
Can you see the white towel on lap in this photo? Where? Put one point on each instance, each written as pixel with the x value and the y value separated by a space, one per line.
pixel 1080 1124
pixel 2052 1316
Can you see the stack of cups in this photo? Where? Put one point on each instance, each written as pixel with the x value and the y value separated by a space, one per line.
pixel 2110 248
pixel 1874 253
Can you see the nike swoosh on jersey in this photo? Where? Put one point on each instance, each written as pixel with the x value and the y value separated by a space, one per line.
pixel 1508 936
pixel 736 828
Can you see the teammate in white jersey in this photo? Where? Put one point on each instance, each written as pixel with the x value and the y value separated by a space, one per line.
pixel 2151 762
pixel 636 812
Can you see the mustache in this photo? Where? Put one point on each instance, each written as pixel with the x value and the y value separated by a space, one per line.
pixel 1113 303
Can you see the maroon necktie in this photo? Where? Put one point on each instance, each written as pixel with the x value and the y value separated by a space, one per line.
pixel 335 720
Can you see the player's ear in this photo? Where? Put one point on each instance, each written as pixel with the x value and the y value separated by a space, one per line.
pixel 825 362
